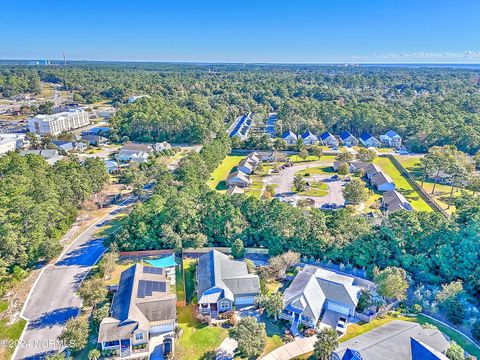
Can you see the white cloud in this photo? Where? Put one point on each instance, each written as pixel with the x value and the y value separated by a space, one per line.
pixel 466 56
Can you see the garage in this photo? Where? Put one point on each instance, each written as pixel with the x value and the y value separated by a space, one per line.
pixel 244 300
pixel 342 309
pixel 158 329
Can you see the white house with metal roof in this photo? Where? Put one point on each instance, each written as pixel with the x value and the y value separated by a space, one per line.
pixel 328 139
pixel 369 140
pixel 309 138
pixel 391 138
pixel 223 283
pixel 289 137
pixel 316 290
pixel 348 139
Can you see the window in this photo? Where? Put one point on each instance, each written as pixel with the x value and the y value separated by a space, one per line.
pixel 139 336
pixel 224 305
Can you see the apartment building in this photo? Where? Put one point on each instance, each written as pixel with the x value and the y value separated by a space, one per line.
pixel 57 123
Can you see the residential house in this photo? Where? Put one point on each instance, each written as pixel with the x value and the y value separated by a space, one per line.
pixel 289 137
pixel 134 98
pixel 382 182
pixel 239 178
pixel 64 146
pixel 396 340
pixel 223 283
pixel 112 166
pixel 316 291
pixel 160 146
pixel 242 126
pixel 369 140
pixel 142 307
pixel 95 140
pixel 391 138
pixel 393 201
pixel 20 139
pixel 96 131
pixel 348 139
pixel 274 156
pixel 328 139
pixel 50 155
pixel 235 190
pixel 309 138
pixel 255 158
pixel 246 165
pixel 126 155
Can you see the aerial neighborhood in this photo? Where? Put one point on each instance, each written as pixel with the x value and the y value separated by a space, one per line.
pixel 239 212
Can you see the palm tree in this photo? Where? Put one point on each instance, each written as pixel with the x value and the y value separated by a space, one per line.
pixel 327 342
pixel 274 305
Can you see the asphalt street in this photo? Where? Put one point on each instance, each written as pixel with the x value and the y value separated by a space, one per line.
pixel 53 299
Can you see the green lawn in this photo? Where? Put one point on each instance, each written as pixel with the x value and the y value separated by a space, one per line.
pixel 402 184
pixel 10 332
pixel 318 188
pixel 180 288
pixel 220 174
pixel 3 306
pixel 189 266
pixel 274 335
pixel 466 344
pixel 197 339
pixel 298 159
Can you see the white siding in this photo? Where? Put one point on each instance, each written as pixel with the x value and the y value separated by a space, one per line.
pixel 161 328
pixel 244 300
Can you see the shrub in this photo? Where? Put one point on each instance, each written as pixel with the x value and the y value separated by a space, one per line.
pixel 417 308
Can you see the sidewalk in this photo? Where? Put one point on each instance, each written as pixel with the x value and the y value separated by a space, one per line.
pixel 299 346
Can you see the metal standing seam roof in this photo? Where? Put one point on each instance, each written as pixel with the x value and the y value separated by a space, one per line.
pixel 288 133
pixel 391 134
pixel 365 136
pixel 327 135
pixel 345 135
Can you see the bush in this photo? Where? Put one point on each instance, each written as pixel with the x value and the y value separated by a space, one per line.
pixel 417 308
pixel 455 311
pixel 476 330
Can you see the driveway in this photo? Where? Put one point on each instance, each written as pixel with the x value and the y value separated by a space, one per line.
pixel 226 350
pixel 53 300
pixel 291 350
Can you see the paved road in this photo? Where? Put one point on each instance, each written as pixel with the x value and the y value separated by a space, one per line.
pixel 53 299
pixel 285 178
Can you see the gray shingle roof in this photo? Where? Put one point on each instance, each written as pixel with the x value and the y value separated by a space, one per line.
pixel 392 341
pixel 380 178
pixel 142 297
pixel 215 269
pixel 393 201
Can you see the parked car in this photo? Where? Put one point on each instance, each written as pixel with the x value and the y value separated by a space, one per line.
pixel 275 171
pixel 334 177
pixel 167 346
pixel 341 325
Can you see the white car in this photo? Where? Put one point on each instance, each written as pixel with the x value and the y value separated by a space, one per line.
pixel 341 325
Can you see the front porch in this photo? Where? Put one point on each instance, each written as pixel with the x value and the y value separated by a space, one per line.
pixel 210 309
pixel 125 349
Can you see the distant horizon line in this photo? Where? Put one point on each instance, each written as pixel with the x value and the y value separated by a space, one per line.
pixel 246 62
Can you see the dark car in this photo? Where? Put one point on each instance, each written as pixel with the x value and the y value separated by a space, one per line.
pixel 167 346
pixel 334 177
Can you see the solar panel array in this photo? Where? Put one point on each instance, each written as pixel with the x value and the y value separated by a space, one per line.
pixel 152 270
pixel 146 288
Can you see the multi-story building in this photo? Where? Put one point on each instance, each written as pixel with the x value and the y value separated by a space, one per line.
pixel 57 123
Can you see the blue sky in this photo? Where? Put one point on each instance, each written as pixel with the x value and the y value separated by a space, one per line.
pixel 243 30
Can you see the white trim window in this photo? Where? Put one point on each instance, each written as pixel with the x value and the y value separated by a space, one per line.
pixel 139 336
pixel 224 305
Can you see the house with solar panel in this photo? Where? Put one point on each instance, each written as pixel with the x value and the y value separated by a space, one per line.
pixel 391 138
pixel 348 139
pixel 328 139
pixel 143 307
pixel 368 140
pixel 223 283
pixel 309 138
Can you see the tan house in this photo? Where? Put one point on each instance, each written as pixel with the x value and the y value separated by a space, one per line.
pixel 142 307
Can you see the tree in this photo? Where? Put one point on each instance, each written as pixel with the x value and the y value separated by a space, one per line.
pixel 238 249
pixel 476 159
pixel 455 311
pixel 299 183
pixel 108 264
pixel 366 155
pixel 473 184
pixel 449 291
pixel 56 356
pixel 354 192
pixel 455 351
pixel 317 151
pixel 476 330
pixel 279 264
pixel 250 336
pixel 343 169
pixel 303 153
pixel 75 334
pixel 94 354
pixel 92 292
pixel 345 157
pixel 365 300
pixel 274 305
pixel 392 283
pixel 327 342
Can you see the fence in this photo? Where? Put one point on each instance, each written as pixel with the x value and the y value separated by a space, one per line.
pixel 144 253
pixel 385 309
pixel 225 250
pixel 423 194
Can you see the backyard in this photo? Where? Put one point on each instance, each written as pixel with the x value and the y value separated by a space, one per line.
pixel 402 185
pixel 220 174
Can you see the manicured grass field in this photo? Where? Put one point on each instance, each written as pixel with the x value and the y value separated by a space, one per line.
pixel 318 188
pixel 220 174
pixel 298 159
pixel 402 184
pixel 466 344
pixel 197 339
